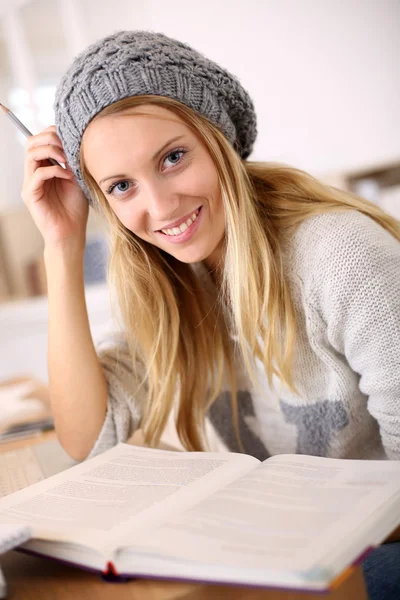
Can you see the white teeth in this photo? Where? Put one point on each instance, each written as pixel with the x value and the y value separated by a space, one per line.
pixel 183 226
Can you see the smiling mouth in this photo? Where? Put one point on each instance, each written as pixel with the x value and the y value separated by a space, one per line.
pixel 174 231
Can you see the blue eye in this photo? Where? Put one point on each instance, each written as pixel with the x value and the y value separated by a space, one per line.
pixel 118 183
pixel 175 156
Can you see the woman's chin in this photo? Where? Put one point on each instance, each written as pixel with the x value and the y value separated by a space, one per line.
pixel 189 255
pixel 189 258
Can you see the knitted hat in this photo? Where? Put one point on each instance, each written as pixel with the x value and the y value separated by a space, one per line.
pixel 132 63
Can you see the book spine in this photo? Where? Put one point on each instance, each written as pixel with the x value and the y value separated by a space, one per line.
pixel 111 574
pixel 108 574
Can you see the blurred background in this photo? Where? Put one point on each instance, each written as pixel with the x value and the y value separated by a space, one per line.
pixel 323 74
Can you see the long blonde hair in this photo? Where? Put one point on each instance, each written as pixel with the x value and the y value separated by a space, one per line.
pixel 174 328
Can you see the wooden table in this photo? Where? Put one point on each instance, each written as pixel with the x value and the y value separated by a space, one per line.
pixel 32 578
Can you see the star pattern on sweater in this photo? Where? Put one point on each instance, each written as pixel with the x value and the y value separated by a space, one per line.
pixel 316 424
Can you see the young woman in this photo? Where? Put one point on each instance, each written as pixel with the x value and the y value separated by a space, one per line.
pixel 250 293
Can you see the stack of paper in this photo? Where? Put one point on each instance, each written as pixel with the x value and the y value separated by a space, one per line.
pixel 20 405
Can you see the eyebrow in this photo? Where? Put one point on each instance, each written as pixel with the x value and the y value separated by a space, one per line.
pixel 175 139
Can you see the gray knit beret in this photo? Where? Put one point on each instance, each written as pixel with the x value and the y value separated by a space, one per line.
pixel 132 63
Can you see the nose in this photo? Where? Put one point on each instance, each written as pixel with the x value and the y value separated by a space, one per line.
pixel 162 203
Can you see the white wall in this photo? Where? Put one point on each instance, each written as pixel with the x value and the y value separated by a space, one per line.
pixel 11 159
pixel 323 74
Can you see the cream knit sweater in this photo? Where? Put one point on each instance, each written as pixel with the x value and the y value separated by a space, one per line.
pixel 343 270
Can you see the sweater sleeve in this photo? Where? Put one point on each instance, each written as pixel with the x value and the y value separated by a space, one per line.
pixel 125 397
pixel 356 290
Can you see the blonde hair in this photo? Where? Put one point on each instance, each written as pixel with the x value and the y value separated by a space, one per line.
pixel 173 327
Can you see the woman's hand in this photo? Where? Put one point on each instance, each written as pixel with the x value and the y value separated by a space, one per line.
pixel 52 195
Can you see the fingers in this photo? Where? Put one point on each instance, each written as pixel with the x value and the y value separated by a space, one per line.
pixel 38 153
pixel 39 148
pixel 47 139
pixel 32 190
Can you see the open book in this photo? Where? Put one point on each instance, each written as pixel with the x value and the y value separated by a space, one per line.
pixel 291 521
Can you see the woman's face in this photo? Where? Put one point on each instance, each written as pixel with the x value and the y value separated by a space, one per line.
pixel 159 180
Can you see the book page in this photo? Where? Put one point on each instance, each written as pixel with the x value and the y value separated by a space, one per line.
pixel 124 488
pixel 285 515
